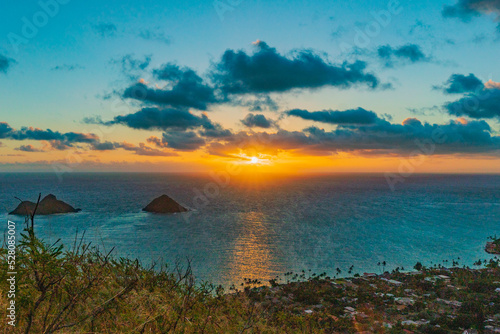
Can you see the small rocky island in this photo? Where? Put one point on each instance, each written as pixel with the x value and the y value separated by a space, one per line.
pixel 48 205
pixel 164 204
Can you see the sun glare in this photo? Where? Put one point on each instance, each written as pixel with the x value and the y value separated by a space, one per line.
pixel 254 160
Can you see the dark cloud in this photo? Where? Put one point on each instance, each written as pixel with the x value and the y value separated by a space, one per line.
pixel 257 121
pixel 105 146
pixel 160 119
pixel 184 89
pixel 484 104
pixel 67 67
pixel 155 35
pixel 182 140
pixel 28 148
pixel 459 84
pixel 182 129
pixel 105 29
pixel 267 71
pixel 5 129
pixel 63 141
pixel 455 137
pixel 215 130
pixel 467 9
pixel 5 63
pixel 409 53
pixel 353 116
pixel 479 100
pixel 59 139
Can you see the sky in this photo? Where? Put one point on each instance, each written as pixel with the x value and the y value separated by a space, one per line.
pixel 288 86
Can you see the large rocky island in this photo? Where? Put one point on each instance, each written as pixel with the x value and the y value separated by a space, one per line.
pixel 164 204
pixel 48 205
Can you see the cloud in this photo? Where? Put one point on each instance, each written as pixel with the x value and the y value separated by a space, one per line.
pixel 259 102
pixel 141 149
pixel 57 138
pixel 352 116
pixel 183 130
pixel 105 146
pixel 59 145
pixel 159 119
pixel 418 27
pixel 257 121
pixel 5 63
pixel 459 84
pixel 267 71
pixel 455 137
pixel 465 10
pixel 62 141
pixel 478 100
pixel 490 84
pixel 129 64
pixel 184 89
pixel 155 35
pixel 67 67
pixel 28 148
pixel 239 76
pixel 214 130
pixel 97 119
pixel 425 111
pixel 105 29
pixel 5 129
pixel 485 104
pixel 409 53
pixel 179 140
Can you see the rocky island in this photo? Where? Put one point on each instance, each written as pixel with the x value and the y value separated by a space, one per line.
pixel 48 205
pixel 164 204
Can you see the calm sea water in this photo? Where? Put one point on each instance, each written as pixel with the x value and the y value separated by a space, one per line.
pixel 254 228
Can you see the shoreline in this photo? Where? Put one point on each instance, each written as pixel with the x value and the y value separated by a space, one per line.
pixel 427 300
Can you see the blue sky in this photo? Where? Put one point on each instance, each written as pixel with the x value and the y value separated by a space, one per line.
pixel 71 67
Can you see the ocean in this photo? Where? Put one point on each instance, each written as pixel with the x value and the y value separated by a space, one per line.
pixel 263 227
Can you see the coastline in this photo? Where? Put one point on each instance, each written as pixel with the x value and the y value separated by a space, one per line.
pixel 97 293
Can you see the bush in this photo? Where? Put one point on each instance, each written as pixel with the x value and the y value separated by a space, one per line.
pixel 471 315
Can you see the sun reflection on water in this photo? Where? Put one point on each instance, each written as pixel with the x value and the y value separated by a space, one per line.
pixel 252 257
